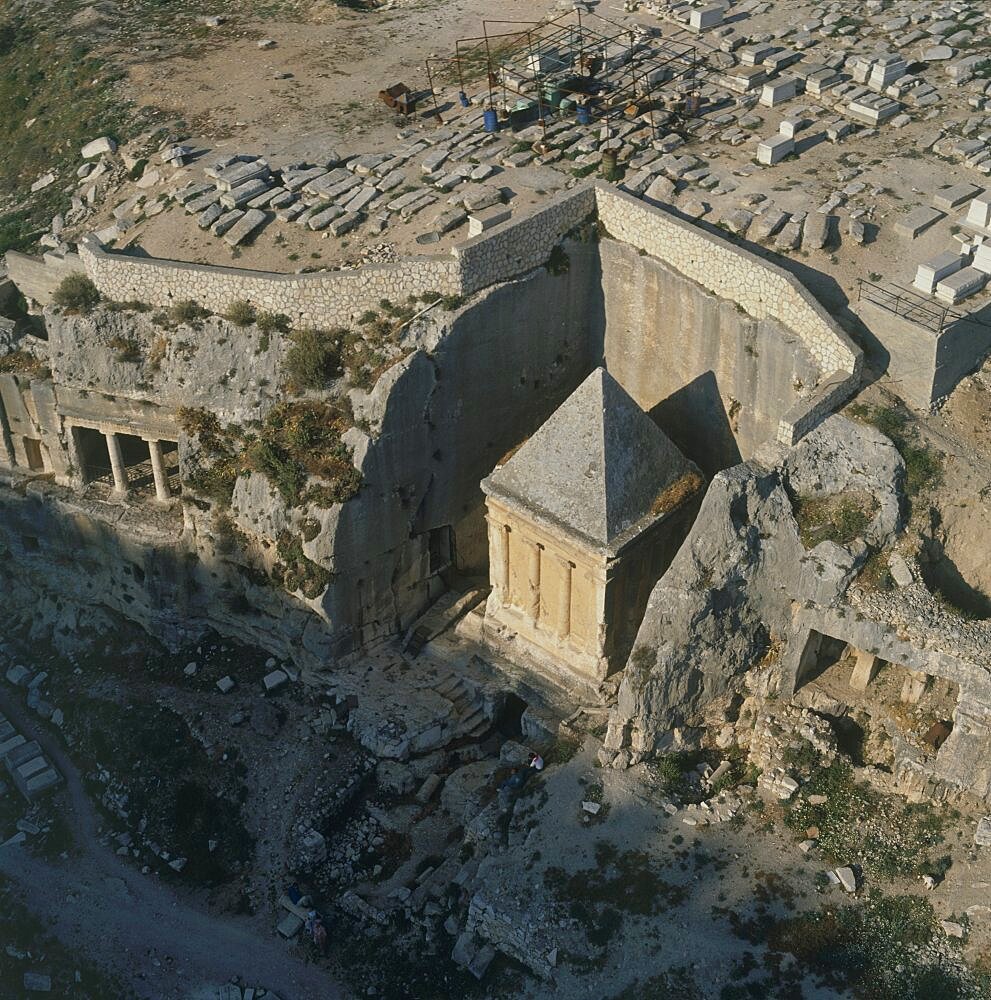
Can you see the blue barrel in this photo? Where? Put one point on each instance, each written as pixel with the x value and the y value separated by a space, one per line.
pixel 584 114
pixel 490 120
pixel 463 97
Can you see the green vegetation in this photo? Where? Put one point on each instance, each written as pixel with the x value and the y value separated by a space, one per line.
pixel 297 573
pixel 299 440
pixel 126 349
pixel 240 313
pixel 618 883
pixel 269 322
pixel 185 798
pixel 26 942
pixel 558 263
pixel 840 517
pixel 19 230
pixel 679 982
pixel 314 359
pixel 923 467
pixel 22 363
pixel 76 294
pixel 563 750
pixel 875 574
pixel 221 461
pixel 56 94
pixel 882 833
pixel 187 311
pixel 886 948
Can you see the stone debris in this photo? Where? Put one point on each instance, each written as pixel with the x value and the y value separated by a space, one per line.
pixel 97 147
pixel 37 982
pixel 777 784
pixel 847 879
pixel 275 680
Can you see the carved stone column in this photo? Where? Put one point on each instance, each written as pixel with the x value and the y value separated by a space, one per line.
pixel 158 470
pixel 499 554
pixel 116 463
pixel 564 599
pixel 532 608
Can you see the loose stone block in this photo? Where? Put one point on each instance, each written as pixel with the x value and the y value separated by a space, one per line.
pixel 770 151
pixel 935 269
pixel 982 258
pixel 703 18
pixel 478 222
pixel 202 203
pixel 225 222
pixel 345 224
pixel 960 285
pixel 917 221
pixel 778 91
pixel 979 212
pixel 790 127
pixel 209 215
pixel 816 232
pixel 240 173
pixel 950 197
pixel 361 200
pixel 275 680
pixel 244 193
pixel 321 220
pixel 245 227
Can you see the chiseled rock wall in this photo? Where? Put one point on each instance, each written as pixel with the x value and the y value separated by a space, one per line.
pixel 694 360
pixel 232 371
pixel 480 381
pixel 761 288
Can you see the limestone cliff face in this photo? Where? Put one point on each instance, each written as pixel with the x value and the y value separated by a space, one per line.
pixel 707 619
pixel 231 370
pixel 471 385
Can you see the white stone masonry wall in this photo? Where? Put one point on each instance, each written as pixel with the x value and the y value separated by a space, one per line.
pixel 761 288
pixel 326 299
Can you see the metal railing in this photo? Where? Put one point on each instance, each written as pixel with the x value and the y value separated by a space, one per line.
pixel 909 305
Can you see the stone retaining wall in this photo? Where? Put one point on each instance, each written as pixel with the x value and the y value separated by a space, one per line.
pixel 516 247
pixel 730 271
pixel 337 298
pixel 326 299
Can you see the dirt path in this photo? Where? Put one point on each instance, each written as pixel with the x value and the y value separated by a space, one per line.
pixel 136 927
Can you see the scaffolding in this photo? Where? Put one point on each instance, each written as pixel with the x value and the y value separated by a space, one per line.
pixel 579 60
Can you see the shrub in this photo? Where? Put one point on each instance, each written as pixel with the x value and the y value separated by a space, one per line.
pixel 314 359
pixel 923 467
pixel 240 313
pixel 76 294
pixel 296 571
pixel 269 322
pixel 840 517
pixel 558 263
pixel 885 835
pixel 187 311
pixel 280 468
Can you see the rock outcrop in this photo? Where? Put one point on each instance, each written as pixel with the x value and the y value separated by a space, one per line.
pixel 729 596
